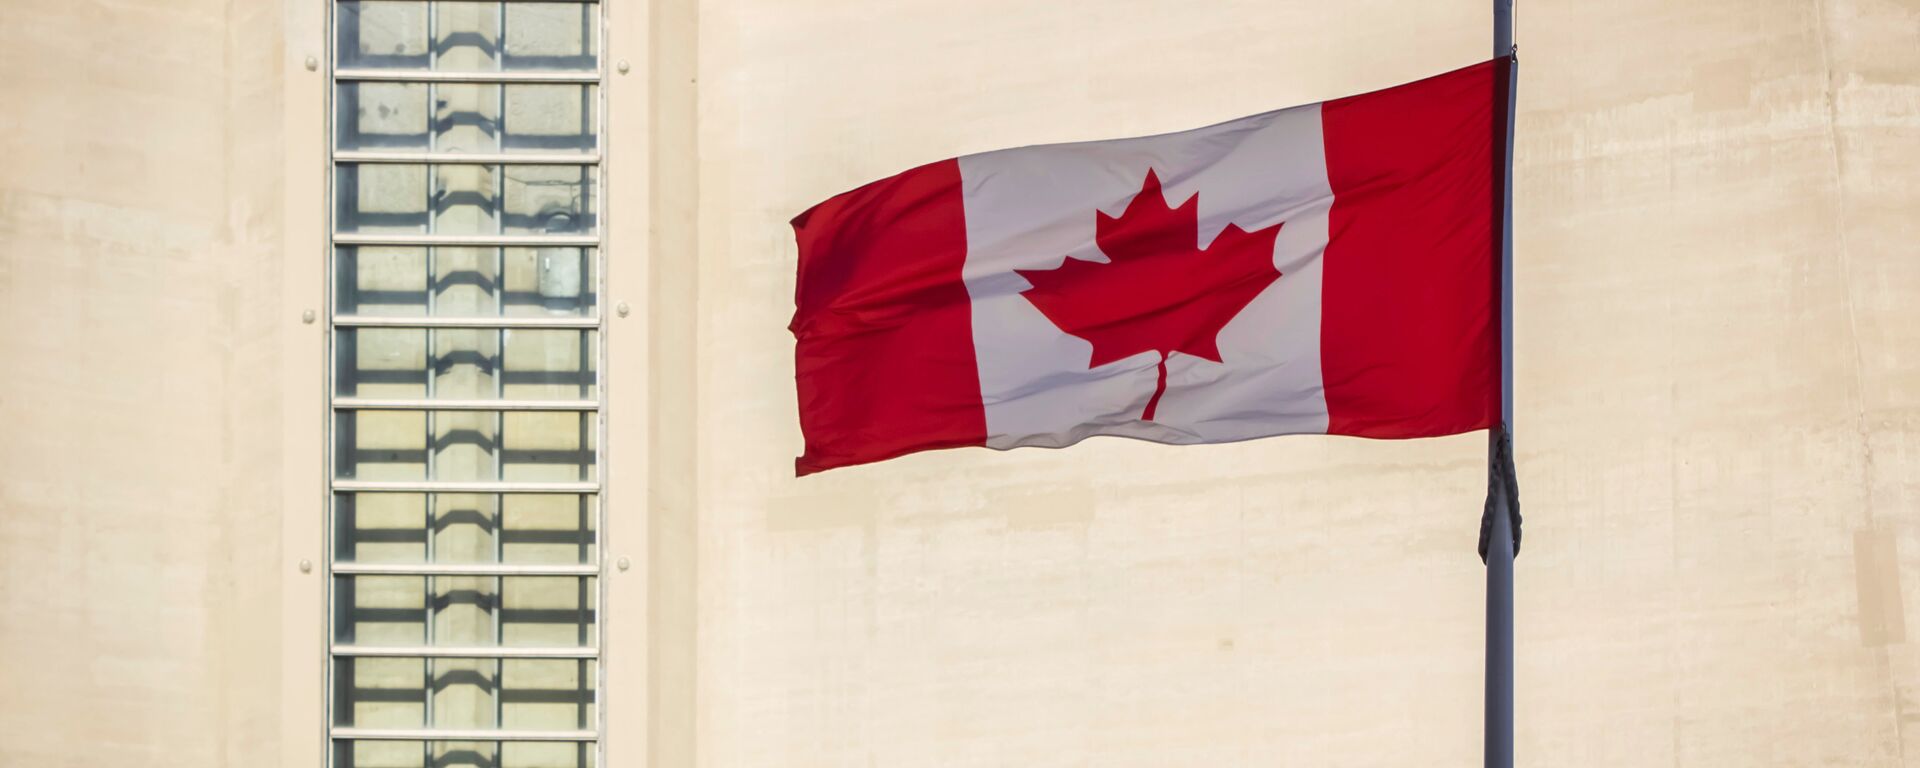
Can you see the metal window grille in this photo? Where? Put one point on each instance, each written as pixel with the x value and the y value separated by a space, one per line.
pixel 464 556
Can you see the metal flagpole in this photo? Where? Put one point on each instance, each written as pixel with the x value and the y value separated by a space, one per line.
pixel 1500 539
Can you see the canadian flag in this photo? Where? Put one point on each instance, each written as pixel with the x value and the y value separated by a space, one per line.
pixel 1330 268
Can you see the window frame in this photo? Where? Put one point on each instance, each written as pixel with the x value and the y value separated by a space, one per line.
pixel 311 81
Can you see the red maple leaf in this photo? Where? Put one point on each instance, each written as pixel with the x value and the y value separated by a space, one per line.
pixel 1159 290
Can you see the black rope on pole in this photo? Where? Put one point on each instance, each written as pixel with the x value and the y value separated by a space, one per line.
pixel 1502 481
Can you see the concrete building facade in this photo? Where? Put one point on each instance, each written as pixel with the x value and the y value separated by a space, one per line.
pixel 1718 382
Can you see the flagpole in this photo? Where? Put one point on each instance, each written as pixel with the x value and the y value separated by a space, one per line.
pixel 1500 540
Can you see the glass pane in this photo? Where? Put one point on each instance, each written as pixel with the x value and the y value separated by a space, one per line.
pixel 381 362
pixel 466 446
pixel 466 282
pixel 467 363
pixel 379 692
pixel 547 694
pixel 465 199
pixel 466 117
pixel 557 364
pixel 549 528
pixel 380 610
pixel 381 280
pixel 514 694
pixel 550 281
pixel 547 611
pixel 468 36
pixel 553 199
pixel 548 447
pixel 466 528
pixel 381 445
pixel 558 118
pixel 462 754
pixel 463 363
pixel 463 611
pixel 552 36
pixel 379 198
pixel 382 116
pixel 382 33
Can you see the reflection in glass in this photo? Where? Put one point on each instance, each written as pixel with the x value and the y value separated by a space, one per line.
pixel 382 34
pixel 465 528
pixel 551 36
pixel 465 446
pixel 458 693
pixel 467 363
pixel 467 36
pixel 459 199
pixel 462 754
pixel 379 198
pixel 397 533
pixel 455 118
pixel 392 281
pixel 381 115
pixel 465 611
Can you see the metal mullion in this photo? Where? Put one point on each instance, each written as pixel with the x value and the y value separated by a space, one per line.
pixel 459 569
pixel 598 509
pixel 431 240
pixel 427 456
pixel 590 118
pixel 426 665
pixel 456 734
pixel 349 650
pixel 391 486
pixel 330 193
pixel 500 370
pixel 500 391
pixel 431 404
pixel 500 252
pixel 379 321
pixel 436 240
pixel 580 695
pixel 500 179
pixel 433 142
pixel 435 157
pixel 499 454
pixel 432 118
pixel 500 523
pixel 584 513
pixel 433 220
pixel 500 89
pixel 515 2
pixel 574 77
pixel 500 379
pixel 433 181
pixel 499 622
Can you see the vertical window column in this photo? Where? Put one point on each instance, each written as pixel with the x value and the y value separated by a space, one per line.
pixel 466 274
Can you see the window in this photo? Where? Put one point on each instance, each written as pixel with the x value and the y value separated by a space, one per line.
pixel 464 557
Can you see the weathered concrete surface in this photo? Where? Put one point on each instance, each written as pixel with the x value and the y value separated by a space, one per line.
pixel 1719 380
pixel 1719 401
pixel 139 404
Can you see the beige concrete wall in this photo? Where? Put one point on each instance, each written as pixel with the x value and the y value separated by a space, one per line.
pixel 1719 401
pixel 1719 383
pixel 140 355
